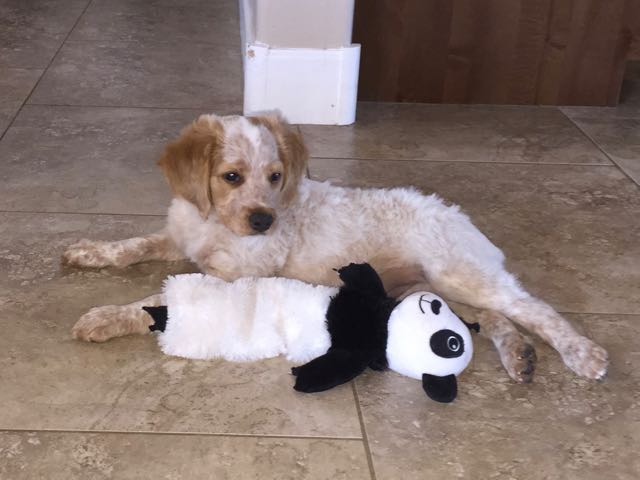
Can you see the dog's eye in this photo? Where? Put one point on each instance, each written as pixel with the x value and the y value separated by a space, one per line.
pixel 275 177
pixel 232 177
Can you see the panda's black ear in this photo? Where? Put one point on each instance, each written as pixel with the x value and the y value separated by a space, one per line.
pixel 362 278
pixel 471 326
pixel 440 389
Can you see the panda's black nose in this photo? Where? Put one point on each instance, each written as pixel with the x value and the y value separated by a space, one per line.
pixel 436 305
pixel 447 344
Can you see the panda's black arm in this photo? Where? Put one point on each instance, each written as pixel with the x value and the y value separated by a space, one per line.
pixel 334 368
pixel 159 315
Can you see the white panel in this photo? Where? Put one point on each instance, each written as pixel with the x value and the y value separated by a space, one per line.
pixel 313 86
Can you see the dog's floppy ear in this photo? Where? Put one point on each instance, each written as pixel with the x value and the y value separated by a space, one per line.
pixel 291 149
pixel 188 161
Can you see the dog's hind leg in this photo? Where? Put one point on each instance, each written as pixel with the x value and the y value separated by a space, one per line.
pixel 498 291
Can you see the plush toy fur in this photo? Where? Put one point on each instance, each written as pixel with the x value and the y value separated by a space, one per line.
pixel 249 319
pixel 357 322
pixel 339 332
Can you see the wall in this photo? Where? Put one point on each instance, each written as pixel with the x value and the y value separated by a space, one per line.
pixel 299 23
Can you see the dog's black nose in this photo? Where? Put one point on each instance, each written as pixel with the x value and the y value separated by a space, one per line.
pixel 260 221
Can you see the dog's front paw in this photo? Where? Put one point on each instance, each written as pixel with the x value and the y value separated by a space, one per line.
pixel 586 359
pixel 90 253
pixel 102 323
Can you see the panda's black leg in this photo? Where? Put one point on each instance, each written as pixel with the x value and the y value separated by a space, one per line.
pixel 160 317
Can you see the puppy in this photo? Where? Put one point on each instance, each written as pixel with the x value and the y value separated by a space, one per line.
pixel 242 207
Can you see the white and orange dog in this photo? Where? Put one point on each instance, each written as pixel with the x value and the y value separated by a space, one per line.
pixel 242 207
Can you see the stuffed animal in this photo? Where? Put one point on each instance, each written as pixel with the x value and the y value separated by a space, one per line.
pixel 339 332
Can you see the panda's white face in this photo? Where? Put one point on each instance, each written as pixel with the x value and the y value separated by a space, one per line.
pixel 425 336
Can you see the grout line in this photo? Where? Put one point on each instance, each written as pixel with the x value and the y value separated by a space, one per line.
pixel 463 105
pixel 8 67
pixel 363 430
pixel 44 71
pixel 604 152
pixel 132 107
pixel 597 313
pixel 116 41
pixel 38 212
pixel 491 162
pixel 621 112
pixel 186 434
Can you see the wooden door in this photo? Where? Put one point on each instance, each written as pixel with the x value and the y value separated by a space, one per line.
pixel 556 52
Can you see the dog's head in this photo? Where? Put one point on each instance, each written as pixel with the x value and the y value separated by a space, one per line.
pixel 244 168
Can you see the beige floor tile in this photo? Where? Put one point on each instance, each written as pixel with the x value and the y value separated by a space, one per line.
pixel 79 159
pixel 570 233
pixel 50 381
pixel 616 129
pixel 180 74
pixel 201 21
pixel 618 137
pixel 455 133
pixel 559 427
pixel 440 445
pixel 15 85
pixel 32 32
pixel 82 456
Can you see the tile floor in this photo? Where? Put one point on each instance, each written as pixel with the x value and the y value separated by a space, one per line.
pixel 89 93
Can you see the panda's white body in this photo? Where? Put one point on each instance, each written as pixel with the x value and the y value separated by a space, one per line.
pixel 249 319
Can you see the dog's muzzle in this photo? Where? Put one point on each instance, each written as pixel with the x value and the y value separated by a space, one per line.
pixel 260 221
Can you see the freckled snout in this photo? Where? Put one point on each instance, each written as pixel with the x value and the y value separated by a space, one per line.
pixel 260 221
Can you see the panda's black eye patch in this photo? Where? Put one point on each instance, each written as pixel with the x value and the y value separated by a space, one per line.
pixel 446 344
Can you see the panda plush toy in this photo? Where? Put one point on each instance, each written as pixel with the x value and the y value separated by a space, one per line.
pixel 335 333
